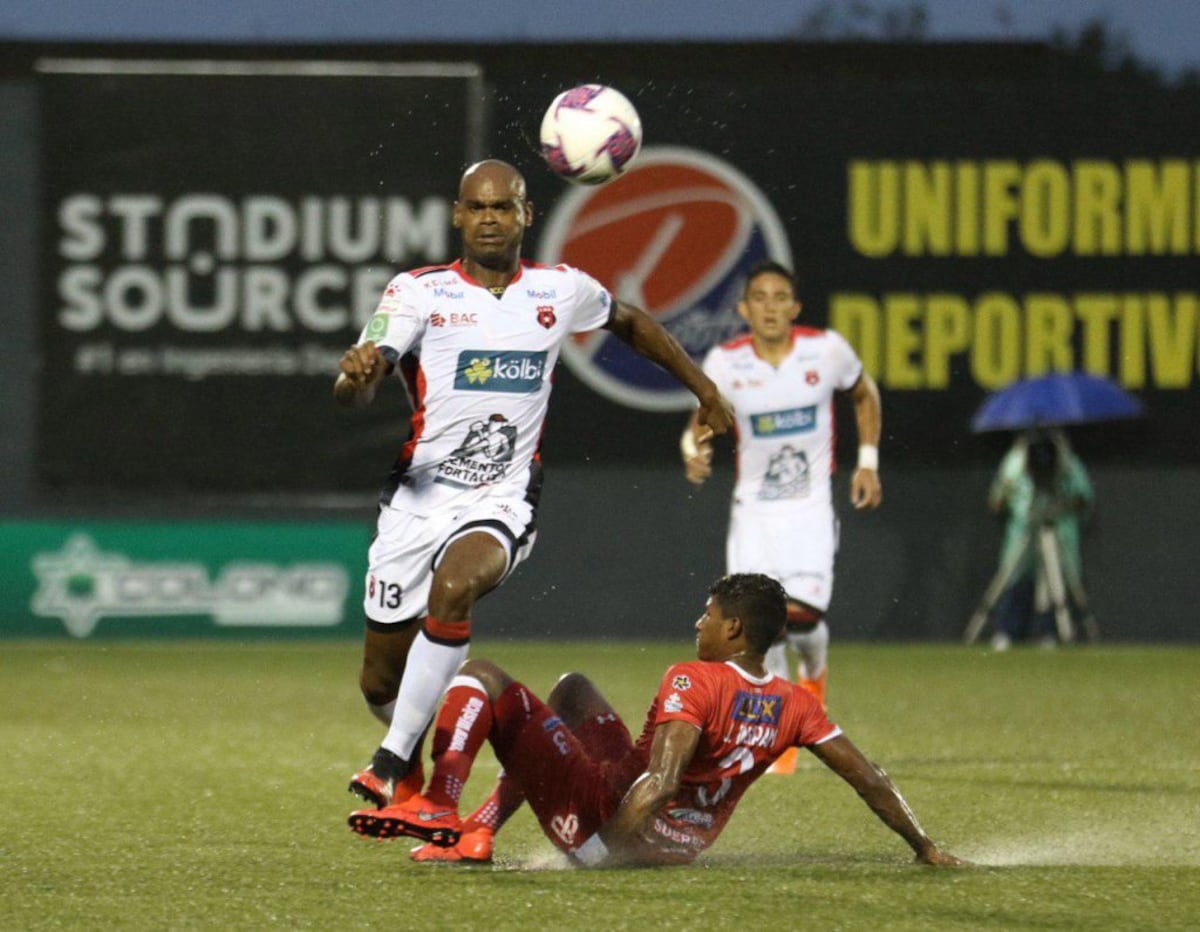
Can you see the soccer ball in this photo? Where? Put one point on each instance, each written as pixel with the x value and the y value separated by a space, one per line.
pixel 590 134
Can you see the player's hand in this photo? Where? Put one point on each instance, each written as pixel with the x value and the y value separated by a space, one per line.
pixel 866 492
pixel 715 413
pixel 697 468
pixel 363 365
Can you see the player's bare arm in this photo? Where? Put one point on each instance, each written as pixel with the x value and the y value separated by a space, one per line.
pixel 362 369
pixel 866 491
pixel 674 745
pixel 695 446
pixel 649 338
pixel 879 792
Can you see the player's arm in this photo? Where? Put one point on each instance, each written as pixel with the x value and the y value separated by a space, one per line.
pixel 697 453
pixel 619 839
pixel 362 369
pixel 866 492
pixel 649 338
pixel 880 793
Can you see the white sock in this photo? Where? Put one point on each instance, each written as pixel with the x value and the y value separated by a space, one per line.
pixel 776 660
pixel 427 672
pixel 383 712
pixel 813 647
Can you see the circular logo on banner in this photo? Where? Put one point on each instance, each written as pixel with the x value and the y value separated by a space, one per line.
pixel 675 235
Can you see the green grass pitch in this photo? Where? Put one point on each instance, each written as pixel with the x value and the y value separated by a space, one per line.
pixel 202 785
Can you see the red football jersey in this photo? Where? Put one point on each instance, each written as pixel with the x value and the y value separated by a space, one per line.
pixel 745 723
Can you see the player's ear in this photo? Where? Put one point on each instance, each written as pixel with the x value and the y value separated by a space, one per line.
pixel 797 307
pixel 742 310
pixel 529 213
pixel 734 628
pixel 456 216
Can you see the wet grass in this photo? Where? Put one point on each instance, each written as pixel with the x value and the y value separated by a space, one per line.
pixel 203 785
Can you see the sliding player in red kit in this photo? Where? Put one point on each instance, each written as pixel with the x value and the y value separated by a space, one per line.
pixel 715 726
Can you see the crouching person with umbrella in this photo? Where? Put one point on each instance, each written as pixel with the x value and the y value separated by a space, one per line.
pixel 1045 491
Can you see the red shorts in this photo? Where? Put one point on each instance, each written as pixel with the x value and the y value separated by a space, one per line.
pixel 573 781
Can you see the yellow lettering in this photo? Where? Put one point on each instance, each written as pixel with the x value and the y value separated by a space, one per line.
pixel 966 200
pixel 874 208
pixel 947 331
pixel 1097 221
pixel 1045 209
pixel 856 317
pixel 1156 211
pixel 1048 327
pixel 927 209
pixel 900 312
pixel 1133 342
pixel 1172 332
pixel 999 204
pixel 996 356
pixel 1096 312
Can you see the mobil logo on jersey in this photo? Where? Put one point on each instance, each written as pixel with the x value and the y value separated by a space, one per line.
pixel 675 236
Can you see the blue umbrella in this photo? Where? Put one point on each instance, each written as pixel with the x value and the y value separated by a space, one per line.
pixel 1055 400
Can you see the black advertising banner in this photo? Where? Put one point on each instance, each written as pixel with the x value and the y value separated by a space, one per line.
pixel 213 241
pixel 215 235
pixel 961 232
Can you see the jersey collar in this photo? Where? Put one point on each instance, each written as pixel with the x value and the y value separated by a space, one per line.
pixel 457 267
pixel 756 680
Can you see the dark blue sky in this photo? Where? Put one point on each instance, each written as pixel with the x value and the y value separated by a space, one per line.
pixel 1166 32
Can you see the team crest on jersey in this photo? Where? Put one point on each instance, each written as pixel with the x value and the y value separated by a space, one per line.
pixel 682 681
pixel 673 703
pixel 545 316
pixel 482 457
pixel 812 377
pixel 675 235
pixel 788 475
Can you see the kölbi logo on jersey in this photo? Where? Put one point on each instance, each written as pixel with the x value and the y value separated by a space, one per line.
pixel 675 235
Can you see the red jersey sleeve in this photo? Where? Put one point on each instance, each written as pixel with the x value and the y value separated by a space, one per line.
pixel 685 695
pixel 815 725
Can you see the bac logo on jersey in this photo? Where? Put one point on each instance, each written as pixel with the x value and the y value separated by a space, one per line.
pixel 756 709
pixel 484 371
pixel 779 423
pixel 675 235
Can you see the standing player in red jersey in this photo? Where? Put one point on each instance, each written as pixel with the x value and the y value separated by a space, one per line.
pixel 476 343
pixel 781 380
pixel 715 726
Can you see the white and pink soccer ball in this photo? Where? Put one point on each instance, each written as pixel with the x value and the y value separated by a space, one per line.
pixel 590 134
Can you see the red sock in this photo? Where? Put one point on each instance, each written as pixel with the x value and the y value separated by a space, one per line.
pixel 504 800
pixel 462 727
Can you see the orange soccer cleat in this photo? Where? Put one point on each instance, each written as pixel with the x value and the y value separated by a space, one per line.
pixel 816 686
pixel 474 847
pixel 372 788
pixel 416 817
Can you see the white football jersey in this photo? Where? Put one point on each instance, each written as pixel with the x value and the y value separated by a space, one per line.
pixel 784 416
pixel 477 369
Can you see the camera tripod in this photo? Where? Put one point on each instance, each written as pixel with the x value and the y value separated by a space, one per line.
pixel 1053 588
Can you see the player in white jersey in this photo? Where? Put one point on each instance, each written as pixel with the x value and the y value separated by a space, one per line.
pixel 475 343
pixel 781 380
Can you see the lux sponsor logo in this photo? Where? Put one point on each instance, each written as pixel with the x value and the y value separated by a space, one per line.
pixel 82 584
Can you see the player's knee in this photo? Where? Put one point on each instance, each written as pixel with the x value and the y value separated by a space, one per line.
pixel 493 679
pixel 379 685
pixel 575 697
pixel 452 595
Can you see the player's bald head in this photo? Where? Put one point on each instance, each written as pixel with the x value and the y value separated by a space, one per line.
pixel 499 176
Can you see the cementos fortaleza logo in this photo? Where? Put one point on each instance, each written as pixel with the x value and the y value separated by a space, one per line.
pixel 675 235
